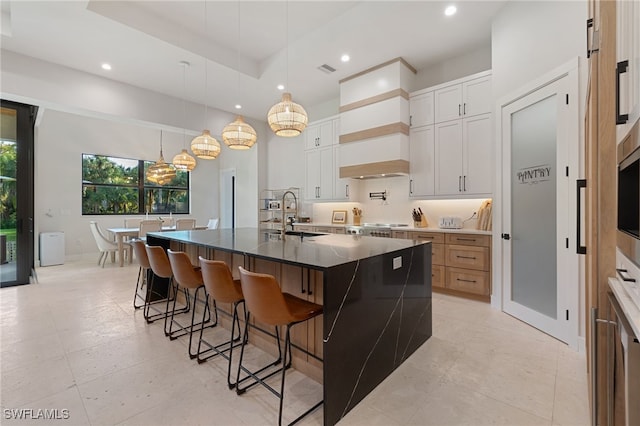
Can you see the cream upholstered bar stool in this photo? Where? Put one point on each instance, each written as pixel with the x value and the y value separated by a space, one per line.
pixel 161 268
pixel 187 277
pixel 220 287
pixel 265 301
pixel 143 261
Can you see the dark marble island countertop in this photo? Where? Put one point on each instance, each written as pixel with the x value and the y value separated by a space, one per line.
pixel 316 252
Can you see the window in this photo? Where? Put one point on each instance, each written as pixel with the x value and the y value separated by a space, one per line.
pixel 112 186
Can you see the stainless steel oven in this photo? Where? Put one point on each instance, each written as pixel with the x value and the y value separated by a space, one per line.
pixel 628 238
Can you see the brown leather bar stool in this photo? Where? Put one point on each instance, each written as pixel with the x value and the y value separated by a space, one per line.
pixel 161 268
pixel 143 261
pixel 270 305
pixel 187 277
pixel 220 287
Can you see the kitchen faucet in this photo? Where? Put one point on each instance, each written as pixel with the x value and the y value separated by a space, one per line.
pixel 284 209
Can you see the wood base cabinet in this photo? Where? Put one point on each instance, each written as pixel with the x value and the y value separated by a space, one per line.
pixel 460 263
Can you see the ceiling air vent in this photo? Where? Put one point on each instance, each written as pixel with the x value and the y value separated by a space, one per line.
pixel 327 69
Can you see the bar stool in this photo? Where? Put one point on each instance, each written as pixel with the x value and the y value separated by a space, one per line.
pixel 161 268
pixel 221 287
pixel 270 305
pixel 143 261
pixel 188 277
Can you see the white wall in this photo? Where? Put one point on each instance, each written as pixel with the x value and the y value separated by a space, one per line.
pixel 85 113
pixel 530 39
pixel 472 62
pixel 62 138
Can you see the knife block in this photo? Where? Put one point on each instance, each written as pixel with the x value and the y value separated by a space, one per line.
pixel 422 223
pixel 356 220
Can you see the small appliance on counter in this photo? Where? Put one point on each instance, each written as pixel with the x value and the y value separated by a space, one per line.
pixel 303 220
pixel 450 222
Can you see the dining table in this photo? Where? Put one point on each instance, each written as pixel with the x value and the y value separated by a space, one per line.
pixel 122 233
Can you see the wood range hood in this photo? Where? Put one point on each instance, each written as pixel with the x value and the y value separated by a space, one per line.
pixel 380 169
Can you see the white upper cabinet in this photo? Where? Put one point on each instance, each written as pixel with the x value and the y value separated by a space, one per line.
pixel 421 109
pixel 463 99
pixel 421 167
pixel 344 189
pixel 320 174
pixel 628 66
pixel 463 157
pixel 320 135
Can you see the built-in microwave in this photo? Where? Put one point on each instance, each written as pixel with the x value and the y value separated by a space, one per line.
pixel 629 195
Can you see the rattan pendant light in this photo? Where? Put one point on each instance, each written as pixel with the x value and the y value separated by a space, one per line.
pixel 184 161
pixel 205 146
pixel 238 134
pixel 287 118
pixel 161 172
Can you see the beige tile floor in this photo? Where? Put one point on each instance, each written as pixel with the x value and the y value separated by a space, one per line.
pixel 74 342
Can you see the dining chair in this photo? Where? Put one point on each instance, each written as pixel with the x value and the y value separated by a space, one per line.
pixel 132 222
pixel 151 225
pixel 182 224
pixel 213 223
pixel 167 222
pixel 105 245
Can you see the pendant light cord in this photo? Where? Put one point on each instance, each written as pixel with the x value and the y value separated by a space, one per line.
pixel 184 105
pixel 206 76
pixel 286 36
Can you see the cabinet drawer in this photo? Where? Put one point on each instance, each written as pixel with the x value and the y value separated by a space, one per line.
pixel 434 237
pixel 475 282
pixel 399 234
pixel 339 231
pixel 437 276
pixel 305 228
pixel 437 254
pixel 469 257
pixel 326 230
pixel 469 239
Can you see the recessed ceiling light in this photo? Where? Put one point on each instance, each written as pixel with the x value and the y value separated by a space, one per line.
pixel 345 58
pixel 280 86
pixel 238 106
pixel 106 67
pixel 451 10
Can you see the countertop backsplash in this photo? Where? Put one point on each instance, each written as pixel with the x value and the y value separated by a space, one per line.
pixel 397 207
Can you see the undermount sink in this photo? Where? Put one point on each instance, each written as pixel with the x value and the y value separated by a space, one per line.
pixel 304 233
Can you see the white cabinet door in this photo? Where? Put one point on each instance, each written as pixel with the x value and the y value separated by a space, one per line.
pixel 342 190
pixel 312 181
pixel 421 166
pixel 477 147
pixel 448 150
pixel 312 136
pixel 327 174
pixel 320 174
pixel 448 103
pixel 421 110
pixel 628 65
pixel 476 96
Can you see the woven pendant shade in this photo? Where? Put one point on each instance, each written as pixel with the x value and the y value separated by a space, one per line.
pixel 239 135
pixel 205 146
pixel 161 172
pixel 183 161
pixel 287 118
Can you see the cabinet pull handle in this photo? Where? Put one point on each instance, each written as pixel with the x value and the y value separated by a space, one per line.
pixel 459 183
pixel 410 120
pixel 346 190
pixel 466 281
pixel 464 183
pixel 621 68
pixel 466 257
pixel 466 239
pixel 410 186
pixel 464 108
pixel 459 112
pixel 627 278
pixel 589 25
pixel 425 237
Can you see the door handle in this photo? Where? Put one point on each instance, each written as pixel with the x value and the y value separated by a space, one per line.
pixel 505 236
pixel 580 183
pixel 621 68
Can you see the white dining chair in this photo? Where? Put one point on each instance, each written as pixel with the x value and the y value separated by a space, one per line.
pixel 151 225
pixel 213 223
pixel 132 222
pixel 105 245
pixel 182 224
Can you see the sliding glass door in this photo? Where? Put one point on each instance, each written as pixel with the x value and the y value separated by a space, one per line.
pixel 16 192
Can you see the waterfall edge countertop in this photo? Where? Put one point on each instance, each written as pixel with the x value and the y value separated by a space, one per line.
pixel 316 252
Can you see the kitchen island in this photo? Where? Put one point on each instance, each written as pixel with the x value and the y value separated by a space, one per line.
pixel 376 294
